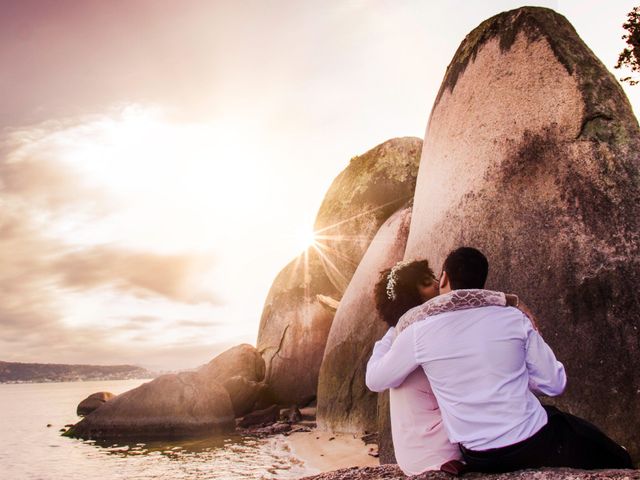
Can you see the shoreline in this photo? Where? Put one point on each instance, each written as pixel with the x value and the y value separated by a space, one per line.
pixel 323 452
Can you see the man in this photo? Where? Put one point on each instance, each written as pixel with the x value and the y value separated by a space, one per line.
pixel 485 365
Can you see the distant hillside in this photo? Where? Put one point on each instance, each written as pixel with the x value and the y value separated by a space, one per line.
pixel 11 372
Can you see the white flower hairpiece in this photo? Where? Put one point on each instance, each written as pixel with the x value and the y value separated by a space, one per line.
pixel 392 278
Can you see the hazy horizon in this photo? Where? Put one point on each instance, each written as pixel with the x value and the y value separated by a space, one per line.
pixel 162 161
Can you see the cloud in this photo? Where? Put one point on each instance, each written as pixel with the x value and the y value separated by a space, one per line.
pixel 138 273
pixel 197 323
pixel 34 174
pixel 43 199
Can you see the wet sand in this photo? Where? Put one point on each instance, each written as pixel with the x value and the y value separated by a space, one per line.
pixel 324 452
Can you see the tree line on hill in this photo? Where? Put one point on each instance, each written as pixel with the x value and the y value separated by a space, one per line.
pixel 14 372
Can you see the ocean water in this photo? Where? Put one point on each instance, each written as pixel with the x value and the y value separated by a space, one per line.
pixel 30 450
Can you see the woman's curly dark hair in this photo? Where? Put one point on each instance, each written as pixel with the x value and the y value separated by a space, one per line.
pixel 407 296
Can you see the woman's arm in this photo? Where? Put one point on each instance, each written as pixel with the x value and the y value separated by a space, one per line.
pixel 546 374
pixel 514 301
pixel 391 361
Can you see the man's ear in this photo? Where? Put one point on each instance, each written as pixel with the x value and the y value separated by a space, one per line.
pixel 444 280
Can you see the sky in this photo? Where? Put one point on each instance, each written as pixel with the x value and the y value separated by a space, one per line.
pixel 161 161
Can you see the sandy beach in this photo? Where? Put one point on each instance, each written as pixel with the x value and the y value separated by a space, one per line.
pixel 324 452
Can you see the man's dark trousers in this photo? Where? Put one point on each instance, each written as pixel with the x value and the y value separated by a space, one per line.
pixel 565 441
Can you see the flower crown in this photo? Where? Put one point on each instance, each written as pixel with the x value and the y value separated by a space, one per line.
pixel 392 279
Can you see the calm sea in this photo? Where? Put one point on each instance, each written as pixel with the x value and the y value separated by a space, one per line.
pixel 31 450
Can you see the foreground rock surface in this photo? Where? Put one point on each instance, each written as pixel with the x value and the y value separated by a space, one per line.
pixel 171 406
pixel 531 155
pixel 393 472
pixel 92 402
pixel 345 404
pixel 298 314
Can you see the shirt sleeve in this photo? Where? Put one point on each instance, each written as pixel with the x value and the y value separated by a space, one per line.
pixel 391 361
pixel 546 374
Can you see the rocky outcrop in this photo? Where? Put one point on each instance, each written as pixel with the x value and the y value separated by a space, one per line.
pixel 297 314
pixel 345 404
pixel 360 200
pixel 240 370
pixel 93 401
pixel 293 334
pixel 393 472
pixel 171 406
pixel 531 155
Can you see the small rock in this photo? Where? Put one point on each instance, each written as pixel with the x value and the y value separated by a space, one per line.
pixel 49 425
pixel 275 429
pixel 260 417
pixel 373 452
pixel 92 402
pixel 291 415
pixel 369 437
pixel 308 413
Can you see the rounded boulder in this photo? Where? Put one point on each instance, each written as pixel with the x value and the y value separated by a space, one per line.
pixel 532 156
pixel 171 406
pixel 92 402
pixel 299 308
pixel 345 404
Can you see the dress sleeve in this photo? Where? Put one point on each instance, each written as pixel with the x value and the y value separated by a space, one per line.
pixel 546 374
pixel 391 361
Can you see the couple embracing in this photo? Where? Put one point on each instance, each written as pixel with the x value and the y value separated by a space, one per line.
pixel 464 366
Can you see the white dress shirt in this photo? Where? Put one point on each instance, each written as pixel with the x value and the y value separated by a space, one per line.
pixel 483 365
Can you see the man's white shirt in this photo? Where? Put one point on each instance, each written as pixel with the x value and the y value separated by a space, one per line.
pixel 483 365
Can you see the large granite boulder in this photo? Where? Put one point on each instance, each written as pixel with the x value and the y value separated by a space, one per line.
pixel 171 406
pixel 299 307
pixel 293 330
pixel 531 155
pixel 240 370
pixel 93 401
pixel 360 199
pixel 345 404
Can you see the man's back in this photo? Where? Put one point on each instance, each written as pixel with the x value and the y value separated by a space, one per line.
pixel 482 363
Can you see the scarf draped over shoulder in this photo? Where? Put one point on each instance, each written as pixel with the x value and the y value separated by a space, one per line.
pixel 450 302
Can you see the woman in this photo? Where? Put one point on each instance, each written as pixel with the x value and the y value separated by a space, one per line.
pixel 419 439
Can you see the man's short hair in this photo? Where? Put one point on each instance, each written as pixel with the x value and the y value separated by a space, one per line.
pixel 466 267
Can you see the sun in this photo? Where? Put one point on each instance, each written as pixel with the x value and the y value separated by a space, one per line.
pixel 305 238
